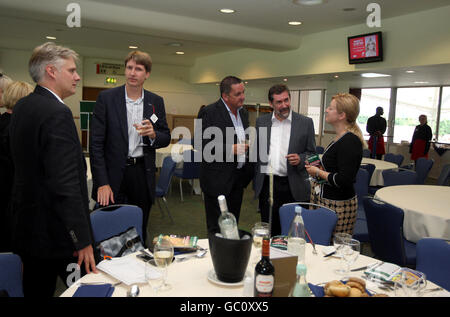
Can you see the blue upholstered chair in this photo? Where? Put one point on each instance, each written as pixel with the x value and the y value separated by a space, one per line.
pixel 190 169
pixel 444 176
pixel 394 158
pixel 394 177
pixel 112 220
pixel 11 274
pixel 385 224
pixel 433 259
pixel 319 149
pixel 361 185
pixel 319 223
pixel 423 167
pixel 163 185
pixel 366 153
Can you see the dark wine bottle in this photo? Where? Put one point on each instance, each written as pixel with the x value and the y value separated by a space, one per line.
pixel 264 273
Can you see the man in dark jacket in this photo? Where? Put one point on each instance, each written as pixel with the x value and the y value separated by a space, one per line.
pixel 51 226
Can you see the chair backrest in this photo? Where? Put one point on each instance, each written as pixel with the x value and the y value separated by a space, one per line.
pixel 319 223
pixel 191 169
pixel 444 177
pixel 319 149
pixel 385 226
pixel 366 153
pixel 423 167
pixel 362 184
pixel 402 177
pixel 433 259
pixel 11 274
pixel 165 174
pixel 369 168
pixel 394 158
pixel 112 220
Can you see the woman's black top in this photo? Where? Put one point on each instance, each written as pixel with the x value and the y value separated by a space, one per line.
pixel 342 159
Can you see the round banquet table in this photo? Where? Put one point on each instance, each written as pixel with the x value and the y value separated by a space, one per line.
pixel 426 209
pixel 380 166
pixel 190 278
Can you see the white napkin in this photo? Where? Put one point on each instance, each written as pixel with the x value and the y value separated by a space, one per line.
pixel 127 269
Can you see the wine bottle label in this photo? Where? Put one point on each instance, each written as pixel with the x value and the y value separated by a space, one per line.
pixel 264 283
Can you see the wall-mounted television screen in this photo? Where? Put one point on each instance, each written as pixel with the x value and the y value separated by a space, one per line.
pixel 365 48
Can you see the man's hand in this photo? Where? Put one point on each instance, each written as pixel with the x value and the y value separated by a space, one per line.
pixel 293 159
pixel 146 129
pixel 105 195
pixel 240 149
pixel 86 255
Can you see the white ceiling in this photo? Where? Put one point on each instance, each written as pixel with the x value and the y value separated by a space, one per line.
pixel 108 27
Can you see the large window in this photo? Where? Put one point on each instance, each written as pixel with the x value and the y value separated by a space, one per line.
pixel 444 120
pixel 411 103
pixel 310 105
pixel 370 100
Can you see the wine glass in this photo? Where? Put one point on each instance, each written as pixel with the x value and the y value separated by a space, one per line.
pixel 259 231
pixel 139 126
pixel 163 255
pixel 154 277
pixel 350 252
pixel 338 243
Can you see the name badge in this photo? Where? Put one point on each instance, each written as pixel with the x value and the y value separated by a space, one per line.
pixel 317 189
pixel 154 118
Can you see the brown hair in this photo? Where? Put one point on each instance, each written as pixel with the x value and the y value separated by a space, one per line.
pixel 227 82
pixel 276 90
pixel 140 58
pixel 349 104
pixel 14 92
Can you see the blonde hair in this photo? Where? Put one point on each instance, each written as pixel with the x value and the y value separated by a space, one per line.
pixel 14 92
pixel 4 81
pixel 349 104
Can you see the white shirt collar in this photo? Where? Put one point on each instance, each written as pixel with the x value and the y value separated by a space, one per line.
pixel 228 108
pixel 57 97
pixel 139 100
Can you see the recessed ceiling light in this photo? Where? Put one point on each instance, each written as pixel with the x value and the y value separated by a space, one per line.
pixel 285 79
pixel 295 23
pixel 421 82
pixel 308 2
pixel 50 37
pixel 410 71
pixel 179 53
pixel 132 47
pixel 336 76
pixel 374 75
pixel 174 44
pixel 227 11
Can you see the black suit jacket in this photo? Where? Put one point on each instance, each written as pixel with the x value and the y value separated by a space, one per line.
pixel 217 176
pixel 50 197
pixel 108 147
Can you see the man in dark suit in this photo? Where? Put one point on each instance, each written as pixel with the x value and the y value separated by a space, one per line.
pixel 289 139
pixel 225 168
pixel 128 124
pixel 51 225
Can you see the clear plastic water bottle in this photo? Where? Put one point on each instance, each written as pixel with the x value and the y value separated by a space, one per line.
pixel 227 221
pixel 296 237
pixel 301 288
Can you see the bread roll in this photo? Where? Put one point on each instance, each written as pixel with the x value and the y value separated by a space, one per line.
pixel 355 292
pixel 340 290
pixel 356 285
pixel 326 288
pixel 357 280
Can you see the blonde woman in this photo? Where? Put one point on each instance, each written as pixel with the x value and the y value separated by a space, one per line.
pixel 341 161
pixel 5 81
pixel 13 92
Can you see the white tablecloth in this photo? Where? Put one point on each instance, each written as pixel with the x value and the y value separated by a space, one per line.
pixel 177 154
pixel 426 208
pixel 380 166
pixel 189 278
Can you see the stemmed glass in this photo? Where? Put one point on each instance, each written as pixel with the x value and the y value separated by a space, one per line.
pixel 350 252
pixel 338 243
pixel 259 231
pixel 154 276
pixel 139 126
pixel 163 255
